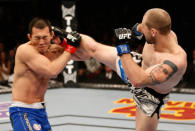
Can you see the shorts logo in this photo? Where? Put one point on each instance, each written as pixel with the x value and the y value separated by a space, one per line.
pixel 37 127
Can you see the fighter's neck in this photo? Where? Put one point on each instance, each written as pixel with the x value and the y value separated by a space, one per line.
pixel 165 43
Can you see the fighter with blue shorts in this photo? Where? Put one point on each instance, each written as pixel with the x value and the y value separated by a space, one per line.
pixel 37 61
pixel 32 117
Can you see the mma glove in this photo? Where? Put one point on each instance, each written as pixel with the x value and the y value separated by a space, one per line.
pixel 137 37
pixel 123 37
pixel 69 41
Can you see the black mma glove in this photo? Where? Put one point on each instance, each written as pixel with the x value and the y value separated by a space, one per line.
pixel 137 37
pixel 59 32
pixel 69 41
pixel 123 36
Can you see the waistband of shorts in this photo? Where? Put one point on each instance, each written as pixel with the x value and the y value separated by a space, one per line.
pixel 36 105
pixel 156 94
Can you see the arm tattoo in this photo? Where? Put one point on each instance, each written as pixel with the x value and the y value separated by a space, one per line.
pixel 165 71
pixel 154 81
pixel 161 73
pixel 172 65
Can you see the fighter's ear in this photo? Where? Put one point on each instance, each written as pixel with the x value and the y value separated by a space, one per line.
pixel 153 32
pixel 29 36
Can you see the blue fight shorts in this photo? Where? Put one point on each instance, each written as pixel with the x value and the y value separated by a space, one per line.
pixel 24 118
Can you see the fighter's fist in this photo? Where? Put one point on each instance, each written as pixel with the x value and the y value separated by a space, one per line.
pixel 135 33
pixel 73 41
pixel 137 37
pixel 69 41
pixel 54 51
pixel 73 38
pixel 59 32
pixel 123 36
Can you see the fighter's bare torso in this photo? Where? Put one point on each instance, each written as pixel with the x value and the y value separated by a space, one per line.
pixel 152 58
pixel 29 86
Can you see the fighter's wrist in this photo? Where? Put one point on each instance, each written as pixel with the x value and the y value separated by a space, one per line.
pixel 123 49
pixel 63 43
pixel 70 48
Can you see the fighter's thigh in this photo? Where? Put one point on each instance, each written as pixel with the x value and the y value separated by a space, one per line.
pixel 24 122
pixel 145 123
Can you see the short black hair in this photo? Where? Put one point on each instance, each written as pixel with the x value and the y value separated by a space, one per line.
pixel 39 23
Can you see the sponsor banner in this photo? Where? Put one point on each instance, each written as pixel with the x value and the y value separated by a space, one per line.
pixel 172 110
pixel 4 110
pixel 69 23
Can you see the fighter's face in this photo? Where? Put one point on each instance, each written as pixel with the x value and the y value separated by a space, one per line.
pixel 150 39
pixel 148 33
pixel 41 38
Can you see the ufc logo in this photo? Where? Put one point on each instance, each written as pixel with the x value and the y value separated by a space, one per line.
pixel 124 36
pixel 123 48
pixel 71 37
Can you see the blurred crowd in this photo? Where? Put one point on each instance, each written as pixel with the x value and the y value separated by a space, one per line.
pixel 7 62
pixel 88 71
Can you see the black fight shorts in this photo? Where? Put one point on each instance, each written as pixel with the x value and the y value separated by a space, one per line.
pixel 148 100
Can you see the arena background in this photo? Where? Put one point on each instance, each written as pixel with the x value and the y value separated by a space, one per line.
pixel 97 19
pixel 88 96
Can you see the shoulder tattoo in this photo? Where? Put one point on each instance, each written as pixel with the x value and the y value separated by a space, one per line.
pixel 163 72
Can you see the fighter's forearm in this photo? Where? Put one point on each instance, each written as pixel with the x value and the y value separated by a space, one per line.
pixel 135 73
pixel 54 51
pixel 58 64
